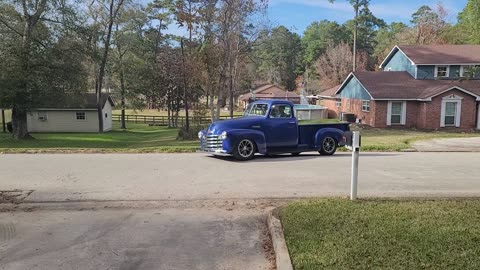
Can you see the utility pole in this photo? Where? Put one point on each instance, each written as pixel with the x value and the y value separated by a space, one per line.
pixel 356 6
pixel 185 99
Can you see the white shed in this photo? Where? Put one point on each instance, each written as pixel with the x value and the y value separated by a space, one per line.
pixel 79 116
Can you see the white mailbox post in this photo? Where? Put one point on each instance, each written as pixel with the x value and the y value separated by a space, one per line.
pixel 353 143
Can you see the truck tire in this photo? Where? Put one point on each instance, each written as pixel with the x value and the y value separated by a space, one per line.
pixel 244 150
pixel 328 146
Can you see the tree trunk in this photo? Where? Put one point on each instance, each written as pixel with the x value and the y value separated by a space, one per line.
pixel 19 124
pixel 185 96
pixel 112 15
pixel 3 122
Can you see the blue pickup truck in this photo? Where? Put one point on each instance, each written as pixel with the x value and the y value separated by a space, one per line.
pixel 269 127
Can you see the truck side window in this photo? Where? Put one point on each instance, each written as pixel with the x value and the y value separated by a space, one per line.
pixel 281 111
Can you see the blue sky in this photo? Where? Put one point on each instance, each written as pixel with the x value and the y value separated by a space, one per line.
pixel 296 15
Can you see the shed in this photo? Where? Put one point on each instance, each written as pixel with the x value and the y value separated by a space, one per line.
pixel 76 115
pixel 268 91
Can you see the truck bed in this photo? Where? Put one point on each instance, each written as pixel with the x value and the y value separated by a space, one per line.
pixel 307 131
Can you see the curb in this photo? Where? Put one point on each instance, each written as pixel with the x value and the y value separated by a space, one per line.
pixel 282 257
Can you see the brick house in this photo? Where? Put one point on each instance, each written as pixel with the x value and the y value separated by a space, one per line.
pixel 425 87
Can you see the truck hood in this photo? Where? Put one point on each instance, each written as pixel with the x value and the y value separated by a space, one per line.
pixel 236 123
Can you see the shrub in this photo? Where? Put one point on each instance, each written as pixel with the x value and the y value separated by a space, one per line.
pixel 191 135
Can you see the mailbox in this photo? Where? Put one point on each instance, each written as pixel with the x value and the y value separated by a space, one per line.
pixel 352 139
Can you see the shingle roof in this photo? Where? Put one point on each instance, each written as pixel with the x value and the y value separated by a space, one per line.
pixel 330 92
pixel 269 91
pixel 442 54
pixel 400 85
pixel 83 101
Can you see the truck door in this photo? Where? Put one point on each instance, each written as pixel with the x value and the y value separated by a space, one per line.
pixel 281 127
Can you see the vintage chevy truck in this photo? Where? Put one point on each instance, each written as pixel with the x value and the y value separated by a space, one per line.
pixel 269 127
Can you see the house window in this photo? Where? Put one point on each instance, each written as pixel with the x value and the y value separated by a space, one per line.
pixel 469 71
pixel 42 116
pixel 338 102
pixel 442 71
pixel 80 116
pixel 396 113
pixel 366 105
pixel 451 111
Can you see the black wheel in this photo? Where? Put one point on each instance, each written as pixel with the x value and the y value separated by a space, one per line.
pixel 328 147
pixel 296 154
pixel 244 150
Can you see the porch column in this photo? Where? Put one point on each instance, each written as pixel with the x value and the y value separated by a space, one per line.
pixel 478 115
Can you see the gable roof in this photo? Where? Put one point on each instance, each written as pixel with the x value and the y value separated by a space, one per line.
pixel 438 54
pixel 330 92
pixel 87 101
pixel 269 91
pixel 400 85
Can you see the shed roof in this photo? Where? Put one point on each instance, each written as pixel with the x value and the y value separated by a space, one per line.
pixel 269 91
pixel 87 101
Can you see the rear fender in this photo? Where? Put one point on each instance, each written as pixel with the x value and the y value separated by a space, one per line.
pixel 234 136
pixel 335 133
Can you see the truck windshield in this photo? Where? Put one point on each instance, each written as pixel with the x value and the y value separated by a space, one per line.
pixel 256 110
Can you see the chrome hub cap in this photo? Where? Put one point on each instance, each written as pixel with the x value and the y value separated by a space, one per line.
pixel 328 144
pixel 245 148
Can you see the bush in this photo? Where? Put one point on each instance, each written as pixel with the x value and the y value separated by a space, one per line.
pixel 191 135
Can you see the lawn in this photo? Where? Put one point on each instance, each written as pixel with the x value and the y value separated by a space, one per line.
pixel 383 234
pixel 374 139
pixel 137 138
pixel 143 138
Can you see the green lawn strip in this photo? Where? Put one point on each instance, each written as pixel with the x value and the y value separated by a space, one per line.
pixel 137 138
pixel 383 234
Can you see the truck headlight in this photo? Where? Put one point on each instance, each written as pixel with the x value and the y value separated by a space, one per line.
pixel 223 136
pixel 200 134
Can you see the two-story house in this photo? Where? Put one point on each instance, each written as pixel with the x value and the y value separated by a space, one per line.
pixel 425 87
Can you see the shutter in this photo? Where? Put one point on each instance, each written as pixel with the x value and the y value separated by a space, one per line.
pixel 389 113
pixel 404 113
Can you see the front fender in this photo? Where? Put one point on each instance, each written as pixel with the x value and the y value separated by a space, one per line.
pixel 332 132
pixel 234 136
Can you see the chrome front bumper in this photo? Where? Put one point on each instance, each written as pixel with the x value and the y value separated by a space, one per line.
pixel 212 144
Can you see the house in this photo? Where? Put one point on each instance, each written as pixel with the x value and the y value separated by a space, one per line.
pixel 425 87
pixel 77 115
pixel 268 91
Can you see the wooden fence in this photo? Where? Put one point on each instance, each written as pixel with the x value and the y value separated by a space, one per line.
pixel 162 120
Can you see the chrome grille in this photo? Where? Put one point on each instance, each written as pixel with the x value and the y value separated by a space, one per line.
pixel 211 143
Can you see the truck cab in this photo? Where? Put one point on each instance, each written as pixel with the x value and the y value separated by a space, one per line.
pixel 270 127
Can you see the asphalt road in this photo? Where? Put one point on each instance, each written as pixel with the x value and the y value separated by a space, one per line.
pixel 83 177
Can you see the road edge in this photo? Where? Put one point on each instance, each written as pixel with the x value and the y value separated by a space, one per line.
pixel 282 257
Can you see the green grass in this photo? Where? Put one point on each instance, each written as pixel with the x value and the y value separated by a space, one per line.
pixel 142 138
pixel 397 140
pixel 137 138
pixel 382 234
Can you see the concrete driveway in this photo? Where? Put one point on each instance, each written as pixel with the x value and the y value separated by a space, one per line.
pixel 449 145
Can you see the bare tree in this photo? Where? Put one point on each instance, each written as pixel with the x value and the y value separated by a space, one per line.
pixel 335 64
